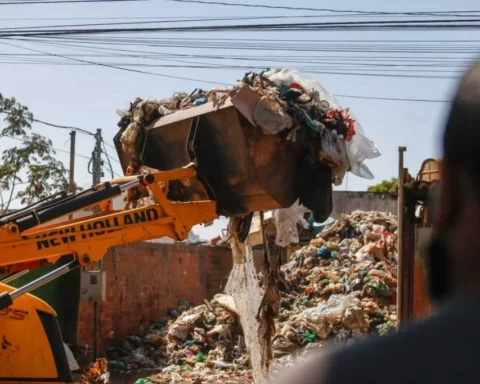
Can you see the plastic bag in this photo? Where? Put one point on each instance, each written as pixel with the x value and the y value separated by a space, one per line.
pixel 329 154
pixel 72 363
pixel 322 318
pixel 286 222
pixel 360 148
pixel 343 166
pixel 334 154
pixel 270 116
pixel 329 311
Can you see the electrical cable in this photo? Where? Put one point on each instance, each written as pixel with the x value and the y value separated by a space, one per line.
pixel 56 149
pixel 56 125
pixel 60 1
pixel 319 71
pixel 349 11
pixel 349 96
pixel 119 68
pixel 163 21
pixel 378 25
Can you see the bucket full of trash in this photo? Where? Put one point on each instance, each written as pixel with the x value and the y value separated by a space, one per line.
pixel 268 141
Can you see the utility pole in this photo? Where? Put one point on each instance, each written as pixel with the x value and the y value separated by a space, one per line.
pixel 71 183
pixel 97 174
pixel 401 308
pixel 71 179
pixel 97 162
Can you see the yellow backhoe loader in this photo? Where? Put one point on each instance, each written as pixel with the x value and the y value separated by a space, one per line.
pixel 233 169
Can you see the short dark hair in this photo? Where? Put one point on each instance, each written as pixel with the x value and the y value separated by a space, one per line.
pixel 461 140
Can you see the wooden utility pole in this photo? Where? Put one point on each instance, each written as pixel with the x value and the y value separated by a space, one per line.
pixel 96 179
pixel 71 179
pixel 400 265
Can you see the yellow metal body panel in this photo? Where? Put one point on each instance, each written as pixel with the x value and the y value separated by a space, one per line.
pixel 25 350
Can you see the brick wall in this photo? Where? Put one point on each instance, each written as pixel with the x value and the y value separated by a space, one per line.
pixel 144 280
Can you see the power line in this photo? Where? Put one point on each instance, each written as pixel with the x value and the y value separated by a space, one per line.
pixel 163 21
pixel 56 149
pixel 456 47
pixel 115 67
pixel 338 46
pixel 110 145
pixel 60 1
pixel 109 157
pixel 329 70
pixel 81 130
pixel 64 127
pixel 347 60
pixel 393 99
pixel 216 18
pixel 322 72
pixel 267 6
pixel 443 24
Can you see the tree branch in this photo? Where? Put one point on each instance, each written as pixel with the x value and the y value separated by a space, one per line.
pixel 11 193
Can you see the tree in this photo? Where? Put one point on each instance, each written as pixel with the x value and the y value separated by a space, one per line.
pixel 28 171
pixel 386 186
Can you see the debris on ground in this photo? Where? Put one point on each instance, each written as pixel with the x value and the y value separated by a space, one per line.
pixel 203 342
pixel 98 373
pixel 341 288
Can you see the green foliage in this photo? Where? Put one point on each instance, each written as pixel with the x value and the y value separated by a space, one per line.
pixel 29 171
pixel 386 186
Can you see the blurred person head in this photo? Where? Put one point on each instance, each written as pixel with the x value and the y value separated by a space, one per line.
pixel 454 256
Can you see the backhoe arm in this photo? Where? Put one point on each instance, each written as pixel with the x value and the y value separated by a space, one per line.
pixel 89 239
pixel 23 242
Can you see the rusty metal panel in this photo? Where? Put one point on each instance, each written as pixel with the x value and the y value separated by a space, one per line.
pixel 238 165
pixel 407 255
pixel 421 300
pixel 429 171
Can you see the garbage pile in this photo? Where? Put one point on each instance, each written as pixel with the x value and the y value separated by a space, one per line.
pixel 196 343
pixel 97 373
pixel 288 102
pixel 341 287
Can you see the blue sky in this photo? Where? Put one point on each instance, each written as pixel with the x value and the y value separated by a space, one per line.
pixel 88 96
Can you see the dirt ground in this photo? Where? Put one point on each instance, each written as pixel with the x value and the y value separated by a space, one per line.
pixel 115 378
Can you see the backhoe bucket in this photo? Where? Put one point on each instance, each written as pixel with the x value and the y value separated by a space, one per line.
pixel 238 165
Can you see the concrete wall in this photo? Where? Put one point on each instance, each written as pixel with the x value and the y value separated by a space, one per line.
pixel 347 202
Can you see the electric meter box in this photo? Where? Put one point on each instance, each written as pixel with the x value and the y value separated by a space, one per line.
pixel 92 286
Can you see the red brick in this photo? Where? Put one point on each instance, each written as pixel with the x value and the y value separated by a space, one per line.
pixel 164 274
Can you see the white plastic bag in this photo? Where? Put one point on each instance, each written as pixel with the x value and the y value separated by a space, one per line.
pixel 321 318
pixel 270 116
pixel 331 310
pixel 72 363
pixel 286 223
pixel 360 148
